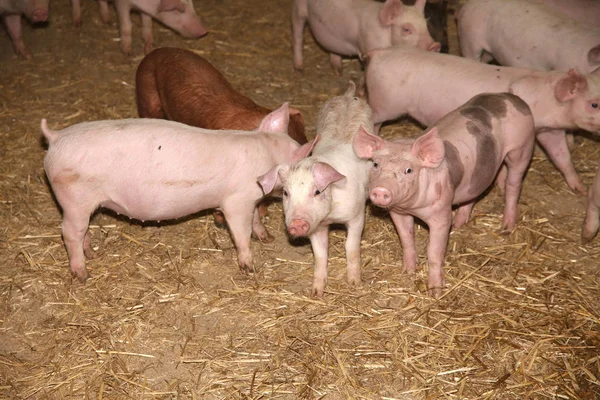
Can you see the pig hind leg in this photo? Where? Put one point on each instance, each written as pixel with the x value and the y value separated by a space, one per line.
pixel 239 216
pixel 258 229
pixel 354 235
pixel 77 241
pixel 13 26
pixel 555 144
pixel 517 161
pixel 462 215
pixel 336 63
pixel 148 99
pixel 299 18
pixel 147 33
pixel 591 223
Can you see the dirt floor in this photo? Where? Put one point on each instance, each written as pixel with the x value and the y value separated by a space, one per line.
pixel 168 314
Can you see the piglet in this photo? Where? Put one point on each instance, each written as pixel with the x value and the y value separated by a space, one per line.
pixel 592 216
pixel 328 187
pixel 178 15
pixel 199 95
pixel 11 10
pixel 352 28
pixel 158 170
pixel 523 34
pixel 453 163
pixel 436 14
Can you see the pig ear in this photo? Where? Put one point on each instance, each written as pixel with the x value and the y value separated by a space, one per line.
pixel 567 87
pixel 304 150
pixel 277 121
pixel 429 149
pixel 324 175
pixel 272 179
pixel 594 56
pixel 351 89
pixel 420 4
pixel 171 5
pixel 391 10
pixel 365 144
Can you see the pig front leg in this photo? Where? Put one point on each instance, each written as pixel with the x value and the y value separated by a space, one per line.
pixel 299 18
pixel 336 63
pixel 13 26
pixel 517 162
pixel 76 4
pixel 462 215
pixel 259 230
pixel 125 26
pixel 405 226
pixel 592 216
pixel 439 229
pixel 239 215
pixel 555 144
pixel 319 241
pixel 104 15
pixel 353 238
pixel 147 33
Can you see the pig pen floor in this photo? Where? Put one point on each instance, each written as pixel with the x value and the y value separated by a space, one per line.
pixel 168 314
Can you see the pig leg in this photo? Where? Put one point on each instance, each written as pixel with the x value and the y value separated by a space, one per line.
pixel 299 18
pixel 76 238
pixel 258 229
pixel 13 26
pixel 554 143
pixel 405 226
pixel 354 235
pixel 239 215
pixel 148 99
pixel 147 33
pixel 76 12
pixel 125 26
pixel 319 241
pixel 439 230
pixel 591 222
pixel 462 215
pixel 517 162
pixel 336 63
pixel 104 11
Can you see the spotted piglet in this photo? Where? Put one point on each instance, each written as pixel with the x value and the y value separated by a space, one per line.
pixel 329 187
pixel 453 163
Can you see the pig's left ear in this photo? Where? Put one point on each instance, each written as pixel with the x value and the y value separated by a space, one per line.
pixel 420 4
pixel 567 87
pixel 365 144
pixel 171 5
pixel 304 150
pixel 272 180
pixel 594 56
pixel 391 10
pixel 325 175
pixel 277 121
pixel 429 149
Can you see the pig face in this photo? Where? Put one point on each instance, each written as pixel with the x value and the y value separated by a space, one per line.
pixel 181 16
pixel 583 93
pixel 398 165
pixel 408 25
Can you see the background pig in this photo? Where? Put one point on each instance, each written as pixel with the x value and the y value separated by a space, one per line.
pixel 592 216
pixel 104 15
pixel 523 34
pixel 172 170
pixel 11 10
pixel 427 85
pixel 350 28
pixel 180 85
pixel 178 15
pixel 586 12
pixel 453 163
pixel 329 187
pixel 436 15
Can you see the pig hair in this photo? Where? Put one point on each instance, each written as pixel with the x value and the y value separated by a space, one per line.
pixel 341 116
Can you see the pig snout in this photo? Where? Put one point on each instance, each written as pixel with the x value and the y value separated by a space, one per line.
pixel 194 32
pixel 437 47
pixel 39 14
pixel 381 196
pixel 298 227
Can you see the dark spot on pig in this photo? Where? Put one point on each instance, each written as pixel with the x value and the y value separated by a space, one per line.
pixel 183 183
pixel 159 147
pixel 494 104
pixel 518 103
pixel 456 169
pixel 65 177
pixel 485 164
pixel 438 190
pixel 498 69
pixel 477 114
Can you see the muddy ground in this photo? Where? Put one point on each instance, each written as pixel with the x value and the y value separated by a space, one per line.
pixel 168 314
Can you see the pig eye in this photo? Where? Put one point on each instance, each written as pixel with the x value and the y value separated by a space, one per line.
pixel 375 165
pixel 317 192
pixel 594 105
pixel 285 193
pixel 408 171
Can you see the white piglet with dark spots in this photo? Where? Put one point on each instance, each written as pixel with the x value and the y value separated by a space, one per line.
pixel 159 170
pixel 328 187
pixel 452 164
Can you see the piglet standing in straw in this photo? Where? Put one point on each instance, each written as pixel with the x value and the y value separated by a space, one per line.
pixel 157 170
pixel 453 163
pixel 329 187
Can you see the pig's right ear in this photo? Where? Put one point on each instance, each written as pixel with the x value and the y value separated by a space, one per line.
pixel 171 5
pixel 304 150
pixel 429 149
pixel 277 121
pixel 594 56
pixel 272 180
pixel 567 87
pixel 365 144
pixel 391 10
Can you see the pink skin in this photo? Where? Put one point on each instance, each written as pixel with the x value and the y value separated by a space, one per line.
pixel 178 15
pixel 354 27
pixel 328 187
pixel 522 34
pixel 452 164
pixel 176 170
pixel 558 100
pixel 586 12
pixel 592 216
pixel 11 11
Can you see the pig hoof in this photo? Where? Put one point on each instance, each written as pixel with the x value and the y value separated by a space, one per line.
pixel 82 276
pixel 89 253
pixel 354 280
pixel 266 238
pixel 317 292
pixel 246 269
pixel 299 70
pixel 586 237
pixel 436 292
